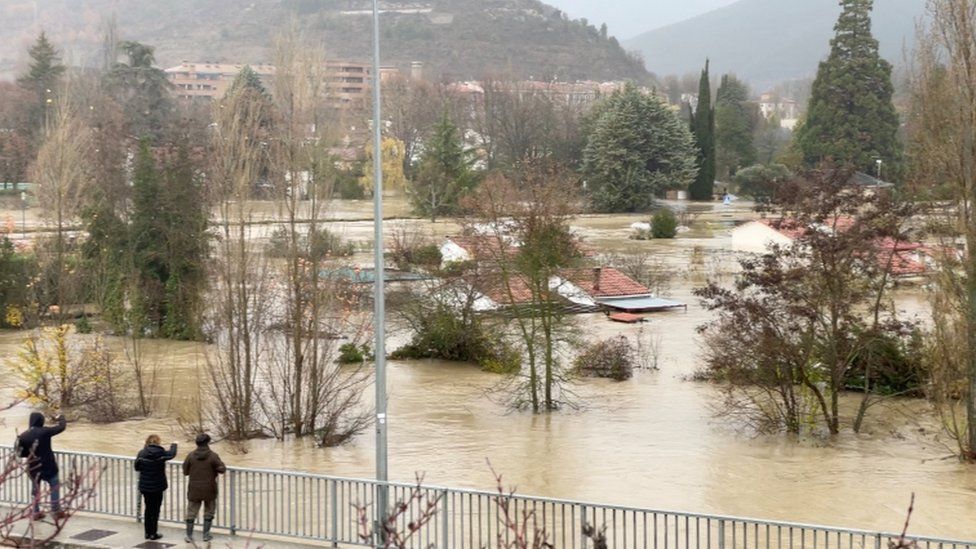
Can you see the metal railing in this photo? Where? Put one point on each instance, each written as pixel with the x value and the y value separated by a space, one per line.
pixel 331 510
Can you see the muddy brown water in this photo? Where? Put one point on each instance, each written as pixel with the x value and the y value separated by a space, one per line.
pixel 651 441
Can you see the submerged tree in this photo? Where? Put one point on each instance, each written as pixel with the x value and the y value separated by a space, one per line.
pixel 792 334
pixel 851 119
pixel 942 127
pixel 703 127
pixel 636 148
pixel 530 245
pixel 735 127
pixel 445 173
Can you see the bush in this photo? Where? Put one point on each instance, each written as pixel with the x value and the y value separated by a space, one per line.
pixel 319 245
pixel 347 186
pixel 442 332
pixel 83 326
pixel 664 224
pixel 350 353
pixel 613 358
pixel 760 182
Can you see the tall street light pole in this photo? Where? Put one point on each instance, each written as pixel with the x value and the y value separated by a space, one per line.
pixel 379 313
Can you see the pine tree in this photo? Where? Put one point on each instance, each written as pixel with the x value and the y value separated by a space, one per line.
pixel 850 118
pixel 247 79
pixel 445 172
pixel 703 128
pixel 735 128
pixel 636 147
pixel 42 78
pixel 141 88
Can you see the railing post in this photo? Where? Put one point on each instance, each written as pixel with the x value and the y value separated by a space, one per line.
pixel 445 522
pixel 721 533
pixel 232 486
pixel 335 511
pixel 582 526
pixel 877 541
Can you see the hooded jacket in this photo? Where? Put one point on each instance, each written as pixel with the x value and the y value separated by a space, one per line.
pixel 202 466
pixel 151 464
pixel 35 445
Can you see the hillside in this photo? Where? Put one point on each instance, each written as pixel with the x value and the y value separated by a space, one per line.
pixel 769 41
pixel 457 39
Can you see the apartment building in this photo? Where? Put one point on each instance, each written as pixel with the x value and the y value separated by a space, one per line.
pixel 347 82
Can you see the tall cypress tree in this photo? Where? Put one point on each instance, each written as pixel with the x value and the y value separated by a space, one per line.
pixel 850 117
pixel 703 128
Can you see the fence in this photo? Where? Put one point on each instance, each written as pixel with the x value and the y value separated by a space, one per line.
pixel 331 510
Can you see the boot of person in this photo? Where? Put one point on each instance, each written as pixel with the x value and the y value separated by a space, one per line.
pixel 189 532
pixel 207 536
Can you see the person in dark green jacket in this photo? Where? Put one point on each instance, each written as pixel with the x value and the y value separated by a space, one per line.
pixel 202 467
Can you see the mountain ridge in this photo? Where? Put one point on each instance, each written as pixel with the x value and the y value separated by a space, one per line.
pixel 768 41
pixel 456 39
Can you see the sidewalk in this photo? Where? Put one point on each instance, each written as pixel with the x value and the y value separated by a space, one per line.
pixel 87 531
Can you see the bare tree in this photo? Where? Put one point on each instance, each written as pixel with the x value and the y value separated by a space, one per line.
pixel 241 301
pixel 61 176
pixel 309 394
pixel 528 224
pixel 943 146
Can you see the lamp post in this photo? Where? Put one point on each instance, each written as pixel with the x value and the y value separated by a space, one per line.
pixel 379 313
pixel 878 163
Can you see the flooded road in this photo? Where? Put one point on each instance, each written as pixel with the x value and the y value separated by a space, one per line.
pixel 651 441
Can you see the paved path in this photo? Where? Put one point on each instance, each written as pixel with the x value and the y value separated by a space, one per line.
pixel 87 531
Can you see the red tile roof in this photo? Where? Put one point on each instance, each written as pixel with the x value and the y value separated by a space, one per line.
pixel 605 282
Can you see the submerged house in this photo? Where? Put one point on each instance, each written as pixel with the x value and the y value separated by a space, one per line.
pixel 906 259
pixel 606 288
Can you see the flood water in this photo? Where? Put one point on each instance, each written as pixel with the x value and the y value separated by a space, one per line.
pixel 651 441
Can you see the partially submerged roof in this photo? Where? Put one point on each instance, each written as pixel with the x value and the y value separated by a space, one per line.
pixel 605 282
pixel 641 304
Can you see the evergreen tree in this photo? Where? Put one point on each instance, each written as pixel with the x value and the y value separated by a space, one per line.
pixel 148 244
pixel 141 88
pixel 636 147
pixel 735 127
pixel 42 78
pixel 703 127
pixel 247 79
pixel 185 223
pixel 445 172
pixel 850 118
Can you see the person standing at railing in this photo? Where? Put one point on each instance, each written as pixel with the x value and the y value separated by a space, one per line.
pixel 35 445
pixel 202 466
pixel 151 464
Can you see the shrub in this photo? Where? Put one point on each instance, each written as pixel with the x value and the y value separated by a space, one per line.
pixel 613 358
pixel 664 224
pixel 83 326
pixel 439 331
pixel 350 353
pixel 318 245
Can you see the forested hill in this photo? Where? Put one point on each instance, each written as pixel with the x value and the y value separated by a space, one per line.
pixel 768 41
pixel 456 39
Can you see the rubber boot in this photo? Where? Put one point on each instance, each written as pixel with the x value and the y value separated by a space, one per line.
pixel 189 532
pixel 207 536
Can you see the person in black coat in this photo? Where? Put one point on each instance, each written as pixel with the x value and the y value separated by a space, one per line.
pixel 151 464
pixel 35 445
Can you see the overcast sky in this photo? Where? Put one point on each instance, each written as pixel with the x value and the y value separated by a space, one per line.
pixel 628 18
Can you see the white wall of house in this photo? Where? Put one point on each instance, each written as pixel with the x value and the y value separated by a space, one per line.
pixel 756 237
pixel 570 291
